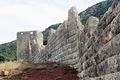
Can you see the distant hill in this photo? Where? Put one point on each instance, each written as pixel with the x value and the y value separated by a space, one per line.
pixel 8 50
pixel 96 10
pixel 46 32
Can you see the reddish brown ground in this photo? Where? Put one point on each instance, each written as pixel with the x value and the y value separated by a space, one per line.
pixel 49 71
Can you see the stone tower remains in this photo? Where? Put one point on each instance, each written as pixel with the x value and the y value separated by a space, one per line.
pixel 29 44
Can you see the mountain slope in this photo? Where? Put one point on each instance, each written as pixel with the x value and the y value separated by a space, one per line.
pixel 8 50
pixel 96 10
pixel 46 31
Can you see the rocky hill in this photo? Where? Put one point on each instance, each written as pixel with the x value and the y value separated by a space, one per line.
pixel 8 50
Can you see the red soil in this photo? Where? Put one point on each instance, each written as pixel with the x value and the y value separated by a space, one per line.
pixel 48 71
pixel 52 72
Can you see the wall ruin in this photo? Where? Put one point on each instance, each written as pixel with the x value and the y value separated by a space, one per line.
pixel 29 44
pixel 93 50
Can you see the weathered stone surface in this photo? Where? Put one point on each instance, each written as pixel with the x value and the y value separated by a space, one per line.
pixel 63 45
pixel 101 47
pixel 29 44
pixel 51 33
pixel 92 24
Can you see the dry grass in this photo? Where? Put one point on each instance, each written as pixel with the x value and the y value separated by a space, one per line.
pixel 14 68
pixel 14 65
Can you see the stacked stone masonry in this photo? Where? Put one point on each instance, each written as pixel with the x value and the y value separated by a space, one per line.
pixel 29 44
pixel 93 50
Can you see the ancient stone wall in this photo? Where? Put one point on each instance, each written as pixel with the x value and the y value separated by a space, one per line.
pixel 93 50
pixel 29 44
pixel 100 56
pixel 63 44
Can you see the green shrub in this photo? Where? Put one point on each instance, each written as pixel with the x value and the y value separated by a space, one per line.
pixel 2 58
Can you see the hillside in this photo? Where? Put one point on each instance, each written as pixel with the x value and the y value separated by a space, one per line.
pixel 96 10
pixel 8 50
pixel 46 31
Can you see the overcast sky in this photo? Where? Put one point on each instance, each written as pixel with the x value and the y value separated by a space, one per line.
pixel 23 15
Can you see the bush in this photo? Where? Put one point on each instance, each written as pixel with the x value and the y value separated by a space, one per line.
pixel 2 58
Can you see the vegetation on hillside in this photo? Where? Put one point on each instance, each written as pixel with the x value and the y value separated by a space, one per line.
pixel 96 10
pixel 46 32
pixel 8 50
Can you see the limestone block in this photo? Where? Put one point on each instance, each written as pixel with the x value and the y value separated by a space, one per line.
pixel 71 56
pixel 114 76
pixel 112 64
pixel 90 62
pixel 73 32
pixel 74 44
pixel 91 71
pixel 91 25
pixel 71 61
pixel 51 32
pixel 101 68
pixel 74 20
pixel 115 25
pixel 89 43
pixel 72 39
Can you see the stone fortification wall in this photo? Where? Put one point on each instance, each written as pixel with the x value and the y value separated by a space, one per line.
pixel 63 44
pixel 93 50
pixel 99 57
